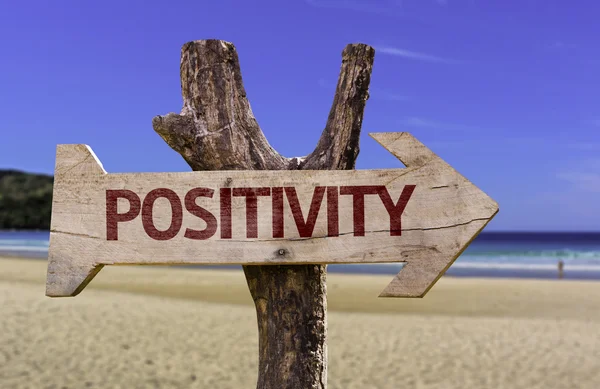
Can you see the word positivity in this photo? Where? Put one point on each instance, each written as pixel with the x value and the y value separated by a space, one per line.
pixel 423 215
pixel 305 226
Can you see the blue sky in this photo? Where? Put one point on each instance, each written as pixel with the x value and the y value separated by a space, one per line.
pixel 504 91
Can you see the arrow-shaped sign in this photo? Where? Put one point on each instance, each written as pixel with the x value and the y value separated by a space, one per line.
pixel 424 215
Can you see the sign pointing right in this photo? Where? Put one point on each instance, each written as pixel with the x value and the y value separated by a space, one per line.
pixel 424 215
pixel 465 209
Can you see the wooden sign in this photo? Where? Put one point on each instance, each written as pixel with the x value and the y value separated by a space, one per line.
pixel 424 215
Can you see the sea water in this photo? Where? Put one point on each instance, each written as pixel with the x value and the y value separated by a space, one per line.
pixel 30 244
pixel 504 254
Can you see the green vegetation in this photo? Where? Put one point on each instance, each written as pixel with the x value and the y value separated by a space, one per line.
pixel 25 200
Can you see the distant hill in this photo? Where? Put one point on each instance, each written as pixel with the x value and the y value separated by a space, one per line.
pixel 25 200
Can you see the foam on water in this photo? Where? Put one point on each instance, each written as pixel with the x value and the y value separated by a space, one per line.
pixel 499 252
pixel 23 249
pixel 22 242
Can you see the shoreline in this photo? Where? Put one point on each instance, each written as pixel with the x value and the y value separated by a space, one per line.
pixel 352 293
pixel 459 269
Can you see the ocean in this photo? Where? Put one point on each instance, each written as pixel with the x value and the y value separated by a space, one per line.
pixel 492 254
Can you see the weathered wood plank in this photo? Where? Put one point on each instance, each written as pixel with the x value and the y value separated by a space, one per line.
pixel 91 227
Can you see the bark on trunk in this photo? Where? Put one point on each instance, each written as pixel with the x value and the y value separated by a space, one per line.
pixel 216 130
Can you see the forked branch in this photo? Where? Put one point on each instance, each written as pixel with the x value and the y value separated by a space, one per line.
pixel 216 130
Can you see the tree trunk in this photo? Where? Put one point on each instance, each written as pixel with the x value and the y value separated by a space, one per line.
pixel 216 130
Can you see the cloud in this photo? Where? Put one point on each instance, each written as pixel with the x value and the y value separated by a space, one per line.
pixel 584 178
pixel 583 181
pixel 560 45
pixel 381 94
pixel 576 193
pixel 417 122
pixel 353 5
pixel 585 146
pixel 414 55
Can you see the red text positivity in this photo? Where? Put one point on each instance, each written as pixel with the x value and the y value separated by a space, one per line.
pixel 304 224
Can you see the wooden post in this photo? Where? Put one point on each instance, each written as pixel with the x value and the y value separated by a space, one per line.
pixel 216 130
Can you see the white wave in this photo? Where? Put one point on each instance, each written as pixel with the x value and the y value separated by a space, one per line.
pixel 506 266
pixel 39 249
pixel 9 242
pixel 523 266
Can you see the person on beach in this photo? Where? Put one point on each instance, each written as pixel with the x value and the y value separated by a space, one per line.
pixel 561 266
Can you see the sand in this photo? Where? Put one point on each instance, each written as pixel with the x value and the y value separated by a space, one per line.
pixel 141 327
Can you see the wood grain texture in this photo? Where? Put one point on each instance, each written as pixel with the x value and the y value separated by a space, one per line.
pixel 216 130
pixel 444 213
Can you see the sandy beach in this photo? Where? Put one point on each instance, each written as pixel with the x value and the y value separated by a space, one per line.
pixel 160 327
